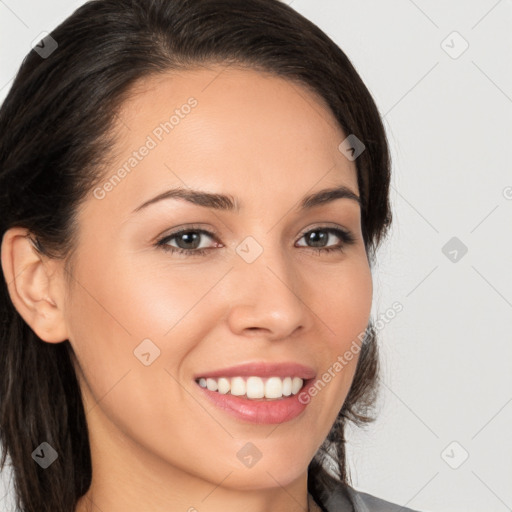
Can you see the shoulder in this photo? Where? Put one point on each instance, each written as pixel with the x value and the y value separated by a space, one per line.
pixel 345 498
pixel 364 502
pixel 333 495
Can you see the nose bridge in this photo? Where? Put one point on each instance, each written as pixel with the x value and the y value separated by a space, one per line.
pixel 268 294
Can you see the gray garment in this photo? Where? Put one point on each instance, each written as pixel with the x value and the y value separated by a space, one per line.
pixel 348 499
pixel 364 502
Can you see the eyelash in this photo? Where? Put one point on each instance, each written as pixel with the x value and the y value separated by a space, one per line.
pixel 346 237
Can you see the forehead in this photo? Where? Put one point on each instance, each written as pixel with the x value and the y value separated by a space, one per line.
pixel 228 130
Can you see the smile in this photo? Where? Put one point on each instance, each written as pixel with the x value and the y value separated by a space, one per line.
pixel 253 387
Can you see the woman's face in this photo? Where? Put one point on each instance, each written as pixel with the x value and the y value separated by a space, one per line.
pixel 250 286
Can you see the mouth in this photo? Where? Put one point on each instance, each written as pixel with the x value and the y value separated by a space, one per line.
pixel 254 387
pixel 258 400
pixel 259 392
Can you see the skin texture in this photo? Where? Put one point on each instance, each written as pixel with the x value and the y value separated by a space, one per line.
pixel 156 443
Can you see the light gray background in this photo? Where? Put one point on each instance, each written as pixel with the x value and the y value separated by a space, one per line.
pixel 447 357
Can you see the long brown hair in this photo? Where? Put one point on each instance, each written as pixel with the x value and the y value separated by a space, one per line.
pixel 55 138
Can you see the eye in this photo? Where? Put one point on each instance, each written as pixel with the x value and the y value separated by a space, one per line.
pixel 188 241
pixel 322 235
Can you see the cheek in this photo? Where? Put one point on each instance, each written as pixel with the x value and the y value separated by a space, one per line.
pixel 343 300
pixel 343 303
pixel 108 319
pixel 126 300
pixel 118 304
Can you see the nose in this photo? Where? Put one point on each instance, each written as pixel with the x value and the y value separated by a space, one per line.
pixel 269 297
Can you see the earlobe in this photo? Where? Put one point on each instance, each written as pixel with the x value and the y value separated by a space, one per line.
pixel 34 285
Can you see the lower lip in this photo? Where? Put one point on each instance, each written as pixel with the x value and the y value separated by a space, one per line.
pixel 260 411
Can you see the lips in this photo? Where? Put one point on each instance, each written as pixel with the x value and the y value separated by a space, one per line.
pixel 257 410
pixel 261 369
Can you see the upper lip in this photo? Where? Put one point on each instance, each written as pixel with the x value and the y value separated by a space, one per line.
pixel 262 369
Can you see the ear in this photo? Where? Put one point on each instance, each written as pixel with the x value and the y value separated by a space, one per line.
pixel 35 285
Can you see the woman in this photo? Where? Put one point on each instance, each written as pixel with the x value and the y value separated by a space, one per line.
pixel 193 193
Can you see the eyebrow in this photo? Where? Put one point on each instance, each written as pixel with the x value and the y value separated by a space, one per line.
pixel 229 203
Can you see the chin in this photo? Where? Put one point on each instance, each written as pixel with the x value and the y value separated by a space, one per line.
pixel 274 472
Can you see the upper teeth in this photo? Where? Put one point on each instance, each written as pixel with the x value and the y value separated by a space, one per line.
pixel 254 387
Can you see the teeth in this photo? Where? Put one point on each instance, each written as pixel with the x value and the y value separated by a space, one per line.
pixel 287 386
pixel 237 386
pixel 254 387
pixel 211 384
pixel 274 388
pixel 223 385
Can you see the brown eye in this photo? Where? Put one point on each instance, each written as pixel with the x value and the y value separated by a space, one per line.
pixel 320 237
pixel 187 241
